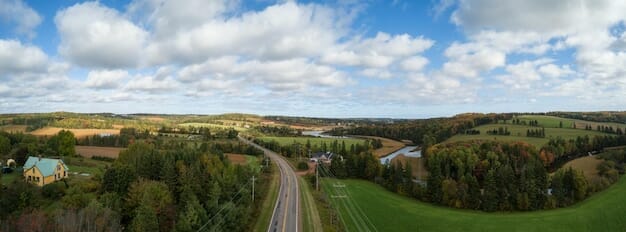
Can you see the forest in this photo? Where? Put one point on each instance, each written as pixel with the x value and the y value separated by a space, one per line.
pixel 156 184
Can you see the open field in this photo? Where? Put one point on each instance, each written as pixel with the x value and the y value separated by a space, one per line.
pixel 389 146
pixel 211 125
pixel 90 151
pixel 284 141
pixel 603 211
pixel 586 164
pixel 518 133
pixel 8 178
pixel 552 121
pixel 78 133
pixel 418 168
pixel 13 128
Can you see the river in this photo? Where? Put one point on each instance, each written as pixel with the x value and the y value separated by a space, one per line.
pixel 406 151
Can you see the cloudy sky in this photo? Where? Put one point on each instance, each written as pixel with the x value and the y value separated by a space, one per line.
pixel 331 58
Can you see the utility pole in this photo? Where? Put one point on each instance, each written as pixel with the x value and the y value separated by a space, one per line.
pixel 317 178
pixel 253 188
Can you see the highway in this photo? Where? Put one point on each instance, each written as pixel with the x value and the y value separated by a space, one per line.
pixel 286 211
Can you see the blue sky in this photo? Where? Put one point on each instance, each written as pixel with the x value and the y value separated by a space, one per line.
pixel 332 58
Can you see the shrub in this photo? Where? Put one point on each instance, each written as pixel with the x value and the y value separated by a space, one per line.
pixel 303 166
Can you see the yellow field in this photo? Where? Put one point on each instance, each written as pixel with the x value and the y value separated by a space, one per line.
pixel 78 133
pixel 389 146
pixel 13 128
pixel 586 164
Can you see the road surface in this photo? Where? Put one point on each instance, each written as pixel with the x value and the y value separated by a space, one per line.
pixel 286 211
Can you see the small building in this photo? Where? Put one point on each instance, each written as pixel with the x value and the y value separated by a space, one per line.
pixel 42 171
pixel 325 157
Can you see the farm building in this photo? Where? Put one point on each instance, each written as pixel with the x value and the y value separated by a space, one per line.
pixel 42 171
pixel 325 157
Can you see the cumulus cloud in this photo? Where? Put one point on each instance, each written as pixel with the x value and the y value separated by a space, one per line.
pixel 21 15
pixel 281 31
pixel 95 36
pixel 16 57
pixel 105 79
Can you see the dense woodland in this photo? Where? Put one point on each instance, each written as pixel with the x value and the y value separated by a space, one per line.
pixel 415 130
pixel 157 184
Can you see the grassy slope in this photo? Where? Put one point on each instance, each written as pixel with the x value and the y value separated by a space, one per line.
pixel 302 140
pixel 587 164
pixel 390 212
pixel 552 121
pixel 263 221
pixel 310 215
pixel 518 133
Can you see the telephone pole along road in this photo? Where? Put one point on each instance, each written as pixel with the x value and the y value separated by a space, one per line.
pixel 286 211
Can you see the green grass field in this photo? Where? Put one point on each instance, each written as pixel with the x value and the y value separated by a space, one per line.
pixel 284 141
pixel 518 133
pixel 387 211
pixel 8 178
pixel 554 122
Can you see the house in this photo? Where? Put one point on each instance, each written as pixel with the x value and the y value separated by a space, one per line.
pixel 321 156
pixel 42 171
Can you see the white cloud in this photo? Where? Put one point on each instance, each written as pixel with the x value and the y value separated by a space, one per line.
pixel 105 79
pixel 93 35
pixel 16 57
pixel 283 31
pixel 20 14
pixel 415 63
pixel 149 84
pixel 554 71
pixel 377 52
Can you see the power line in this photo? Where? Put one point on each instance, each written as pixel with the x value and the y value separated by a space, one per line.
pixel 224 207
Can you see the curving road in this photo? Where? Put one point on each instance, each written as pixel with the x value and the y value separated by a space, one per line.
pixel 286 211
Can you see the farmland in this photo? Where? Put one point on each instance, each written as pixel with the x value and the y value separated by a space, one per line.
pixel 552 121
pixel 389 146
pixel 78 133
pixel 518 133
pixel 602 212
pixel 90 151
pixel 13 128
pixel 285 141
pixel 587 164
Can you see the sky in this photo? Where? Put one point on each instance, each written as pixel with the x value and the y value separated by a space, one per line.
pixel 329 58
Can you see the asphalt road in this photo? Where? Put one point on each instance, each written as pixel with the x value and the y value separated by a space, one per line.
pixel 286 211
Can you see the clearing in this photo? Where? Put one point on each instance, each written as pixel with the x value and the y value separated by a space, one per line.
pixel 90 151
pixel 14 128
pixel 518 133
pixel 389 146
pixel 418 168
pixel 78 133
pixel 552 121
pixel 586 164
pixel 386 211
pixel 285 141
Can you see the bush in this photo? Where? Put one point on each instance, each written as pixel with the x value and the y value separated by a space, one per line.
pixel 103 158
pixel 303 166
pixel 54 190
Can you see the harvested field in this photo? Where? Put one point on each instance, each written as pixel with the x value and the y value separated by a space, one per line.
pixel 153 119
pixel 78 133
pixel 13 128
pixel 90 151
pixel 586 164
pixel 237 158
pixel 418 169
pixel 116 126
pixel 389 146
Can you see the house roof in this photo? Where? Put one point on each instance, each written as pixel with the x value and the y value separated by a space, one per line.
pixel 321 154
pixel 45 165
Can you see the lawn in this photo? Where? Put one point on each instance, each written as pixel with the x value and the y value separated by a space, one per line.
pixel 518 133
pixel 8 178
pixel 284 141
pixel 369 204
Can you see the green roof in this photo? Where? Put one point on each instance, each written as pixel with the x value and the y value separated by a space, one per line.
pixel 45 165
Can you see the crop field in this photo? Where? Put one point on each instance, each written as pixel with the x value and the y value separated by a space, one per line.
pixel 211 125
pixel 586 164
pixel 90 151
pixel 389 146
pixel 518 133
pixel 78 133
pixel 284 141
pixel 14 128
pixel 367 206
pixel 552 121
